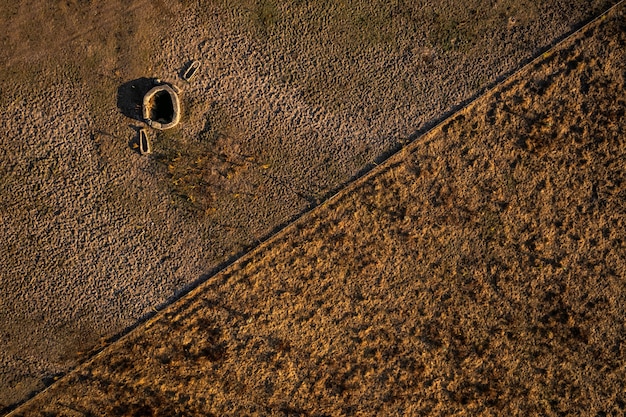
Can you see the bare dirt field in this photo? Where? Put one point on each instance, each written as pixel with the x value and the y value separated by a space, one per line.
pixel 480 271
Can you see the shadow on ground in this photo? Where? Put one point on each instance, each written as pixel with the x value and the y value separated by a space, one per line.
pixel 130 96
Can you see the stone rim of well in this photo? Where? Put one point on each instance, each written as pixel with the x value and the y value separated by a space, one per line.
pixel 148 106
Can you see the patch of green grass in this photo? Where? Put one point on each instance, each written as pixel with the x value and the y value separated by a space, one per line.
pixel 266 15
pixel 183 163
pixel 450 34
pixel 217 126
pixel 199 168
pixel 365 24
pixel 19 80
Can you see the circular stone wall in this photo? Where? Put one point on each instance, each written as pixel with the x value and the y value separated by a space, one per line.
pixel 161 107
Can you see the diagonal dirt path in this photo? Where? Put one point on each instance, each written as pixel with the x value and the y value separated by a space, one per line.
pixel 479 271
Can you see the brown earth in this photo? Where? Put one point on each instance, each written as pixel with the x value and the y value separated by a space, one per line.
pixel 480 271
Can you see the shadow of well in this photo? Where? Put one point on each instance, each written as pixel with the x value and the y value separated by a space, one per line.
pixel 130 96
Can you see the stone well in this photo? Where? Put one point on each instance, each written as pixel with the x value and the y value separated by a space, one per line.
pixel 161 107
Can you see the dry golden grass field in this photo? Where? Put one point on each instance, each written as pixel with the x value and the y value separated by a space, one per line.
pixel 479 271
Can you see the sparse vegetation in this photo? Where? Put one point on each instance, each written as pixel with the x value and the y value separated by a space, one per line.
pixel 201 168
pixel 480 271
pixel 292 100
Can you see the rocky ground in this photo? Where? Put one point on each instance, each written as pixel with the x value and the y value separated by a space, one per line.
pixel 480 271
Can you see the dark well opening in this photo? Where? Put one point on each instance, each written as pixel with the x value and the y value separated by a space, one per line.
pixel 161 107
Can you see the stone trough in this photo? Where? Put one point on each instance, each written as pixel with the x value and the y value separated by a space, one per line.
pixel 145 147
